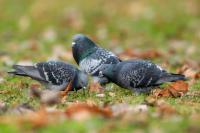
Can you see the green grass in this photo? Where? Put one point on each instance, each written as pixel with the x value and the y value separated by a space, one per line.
pixel 138 25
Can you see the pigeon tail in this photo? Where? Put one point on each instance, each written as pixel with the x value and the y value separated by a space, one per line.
pixel 170 77
pixel 27 71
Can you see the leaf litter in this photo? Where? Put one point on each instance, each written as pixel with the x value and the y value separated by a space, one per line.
pixel 176 89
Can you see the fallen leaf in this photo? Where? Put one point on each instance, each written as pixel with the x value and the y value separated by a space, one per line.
pixel 37 119
pixel 83 111
pixel 21 109
pixel 189 72
pixel 180 86
pixel 123 108
pixel 47 97
pixel 162 108
pixel 50 97
pixel 151 101
pixel 176 89
pixel 165 109
pixel 35 91
pixel 3 107
pixel 91 102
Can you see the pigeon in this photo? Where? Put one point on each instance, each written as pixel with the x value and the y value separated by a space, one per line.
pixel 140 76
pixel 90 57
pixel 55 75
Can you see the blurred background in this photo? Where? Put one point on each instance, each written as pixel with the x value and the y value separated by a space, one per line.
pixel 38 30
pixel 165 31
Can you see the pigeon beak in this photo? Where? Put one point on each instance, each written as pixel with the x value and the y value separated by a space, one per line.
pixel 73 43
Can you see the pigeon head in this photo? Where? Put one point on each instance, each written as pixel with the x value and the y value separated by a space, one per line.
pixel 81 80
pixel 82 47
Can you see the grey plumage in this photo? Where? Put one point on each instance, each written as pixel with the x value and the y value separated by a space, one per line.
pixel 138 75
pixel 90 57
pixel 55 75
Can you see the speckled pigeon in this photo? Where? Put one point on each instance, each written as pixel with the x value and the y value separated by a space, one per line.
pixel 138 75
pixel 90 57
pixel 55 75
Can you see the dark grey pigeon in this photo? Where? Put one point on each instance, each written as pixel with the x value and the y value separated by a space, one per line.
pixel 55 75
pixel 138 75
pixel 90 57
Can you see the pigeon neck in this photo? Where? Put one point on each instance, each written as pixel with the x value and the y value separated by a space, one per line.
pixel 87 53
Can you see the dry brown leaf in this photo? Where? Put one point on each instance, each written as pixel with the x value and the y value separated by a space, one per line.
pixel 21 109
pixel 47 97
pixel 180 86
pixel 36 119
pixel 151 100
pixel 35 90
pixel 162 108
pixel 176 89
pixel 42 117
pixel 50 97
pixel 83 111
pixel 124 108
pixel 165 109
pixel 189 72
pixel 3 107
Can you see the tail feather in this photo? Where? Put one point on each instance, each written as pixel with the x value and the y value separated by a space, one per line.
pixel 27 71
pixel 171 77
